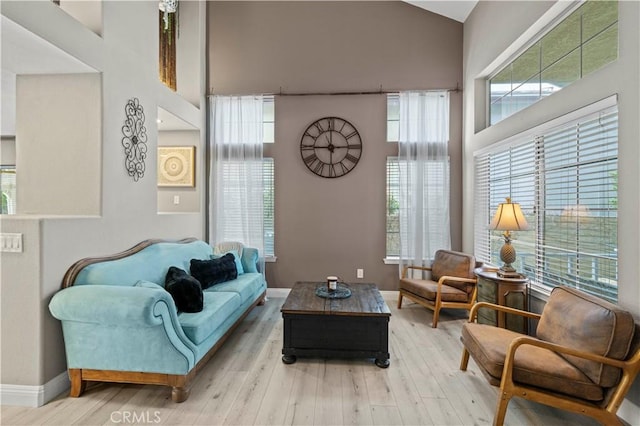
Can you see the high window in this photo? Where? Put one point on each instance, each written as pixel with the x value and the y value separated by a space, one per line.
pixel 565 176
pixel 582 42
pixel 269 119
pixel 393 117
pixel 8 190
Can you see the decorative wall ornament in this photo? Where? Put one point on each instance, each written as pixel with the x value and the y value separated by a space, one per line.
pixel 167 25
pixel 135 139
pixel 176 166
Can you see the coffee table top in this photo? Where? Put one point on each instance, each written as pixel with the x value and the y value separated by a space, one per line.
pixel 365 300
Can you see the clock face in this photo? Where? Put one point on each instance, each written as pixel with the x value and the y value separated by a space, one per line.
pixel 331 147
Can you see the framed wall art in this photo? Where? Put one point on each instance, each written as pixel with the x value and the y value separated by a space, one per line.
pixel 176 166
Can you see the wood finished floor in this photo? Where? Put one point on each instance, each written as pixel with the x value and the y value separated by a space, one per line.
pixel 246 383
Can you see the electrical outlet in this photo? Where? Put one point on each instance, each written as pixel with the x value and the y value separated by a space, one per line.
pixel 176 199
pixel 359 273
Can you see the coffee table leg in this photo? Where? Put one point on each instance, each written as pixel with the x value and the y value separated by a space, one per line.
pixel 288 359
pixel 383 363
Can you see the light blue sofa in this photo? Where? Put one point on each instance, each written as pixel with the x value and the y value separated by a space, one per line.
pixel 118 328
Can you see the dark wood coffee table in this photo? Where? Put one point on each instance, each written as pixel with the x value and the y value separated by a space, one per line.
pixel 355 327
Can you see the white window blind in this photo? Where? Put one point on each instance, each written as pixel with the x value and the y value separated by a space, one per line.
pixel 269 209
pixel 565 179
pixel 393 207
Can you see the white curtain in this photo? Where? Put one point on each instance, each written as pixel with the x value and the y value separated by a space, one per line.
pixel 424 176
pixel 236 203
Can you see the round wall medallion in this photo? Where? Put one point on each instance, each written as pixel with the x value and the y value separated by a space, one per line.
pixel 331 147
pixel 173 167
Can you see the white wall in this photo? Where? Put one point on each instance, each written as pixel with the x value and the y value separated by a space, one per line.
pixel 58 144
pixel 127 58
pixel 483 44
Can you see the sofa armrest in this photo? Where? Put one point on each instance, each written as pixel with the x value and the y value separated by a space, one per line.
pixel 102 324
pixel 250 259
pixel 110 305
pixel 473 313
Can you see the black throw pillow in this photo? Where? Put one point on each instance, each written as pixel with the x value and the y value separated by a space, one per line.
pixel 184 289
pixel 214 271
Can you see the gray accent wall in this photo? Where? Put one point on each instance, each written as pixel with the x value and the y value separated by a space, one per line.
pixel 334 226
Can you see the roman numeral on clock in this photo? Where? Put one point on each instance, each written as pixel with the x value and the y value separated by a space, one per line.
pixel 351 158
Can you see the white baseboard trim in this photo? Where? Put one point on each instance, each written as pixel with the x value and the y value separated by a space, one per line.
pixel 34 396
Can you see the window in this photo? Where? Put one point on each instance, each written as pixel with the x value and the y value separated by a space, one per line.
pixel 268 126
pixel 268 120
pixel 8 190
pixel 581 43
pixel 565 179
pixel 268 207
pixel 393 207
pixel 393 117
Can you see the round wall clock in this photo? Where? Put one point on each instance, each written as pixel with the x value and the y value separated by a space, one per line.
pixel 331 147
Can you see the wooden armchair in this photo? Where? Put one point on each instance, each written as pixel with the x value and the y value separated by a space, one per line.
pixel 452 284
pixel 584 360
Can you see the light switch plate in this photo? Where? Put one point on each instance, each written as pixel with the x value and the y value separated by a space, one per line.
pixel 11 242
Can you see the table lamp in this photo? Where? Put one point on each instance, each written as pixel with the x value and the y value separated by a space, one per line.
pixel 508 217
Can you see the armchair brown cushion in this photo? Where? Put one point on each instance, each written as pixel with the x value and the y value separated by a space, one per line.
pixel 581 321
pixel 428 289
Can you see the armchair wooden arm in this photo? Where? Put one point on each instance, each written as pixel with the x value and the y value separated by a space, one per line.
pixel 474 311
pixel 606 415
pixel 406 268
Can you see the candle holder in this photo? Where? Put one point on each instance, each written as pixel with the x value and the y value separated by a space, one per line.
pixel 332 283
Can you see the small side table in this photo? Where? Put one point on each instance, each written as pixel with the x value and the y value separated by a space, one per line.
pixel 510 292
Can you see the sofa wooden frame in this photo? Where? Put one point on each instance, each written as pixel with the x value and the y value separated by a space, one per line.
pixel 605 413
pixel 438 304
pixel 180 383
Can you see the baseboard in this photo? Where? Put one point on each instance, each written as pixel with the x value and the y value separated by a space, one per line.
pixel 34 396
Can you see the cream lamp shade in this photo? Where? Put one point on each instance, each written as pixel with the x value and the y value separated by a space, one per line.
pixel 508 217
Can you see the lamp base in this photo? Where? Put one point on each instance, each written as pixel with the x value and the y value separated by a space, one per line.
pixel 508 274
